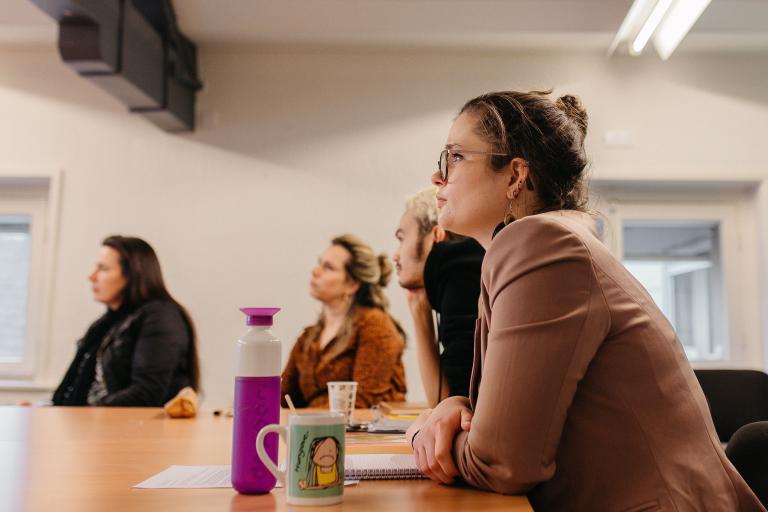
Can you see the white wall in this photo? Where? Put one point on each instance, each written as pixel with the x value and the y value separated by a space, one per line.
pixel 293 148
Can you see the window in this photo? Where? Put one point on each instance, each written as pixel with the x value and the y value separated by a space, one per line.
pixel 695 252
pixel 15 258
pixel 679 264
pixel 27 204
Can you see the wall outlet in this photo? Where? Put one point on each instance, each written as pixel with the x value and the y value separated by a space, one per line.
pixel 618 139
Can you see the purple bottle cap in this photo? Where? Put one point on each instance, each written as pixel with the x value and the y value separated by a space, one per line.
pixel 259 316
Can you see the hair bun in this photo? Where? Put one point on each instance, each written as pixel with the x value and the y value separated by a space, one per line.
pixel 573 108
pixel 386 269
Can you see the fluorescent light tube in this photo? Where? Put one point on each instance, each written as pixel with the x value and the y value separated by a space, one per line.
pixel 631 21
pixel 676 25
pixel 650 25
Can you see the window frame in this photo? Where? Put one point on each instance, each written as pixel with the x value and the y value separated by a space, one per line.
pixel 717 326
pixel 733 210
pixel 35 193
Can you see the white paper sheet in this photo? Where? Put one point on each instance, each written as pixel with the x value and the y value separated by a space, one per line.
pixel 197 477
pixel 189 477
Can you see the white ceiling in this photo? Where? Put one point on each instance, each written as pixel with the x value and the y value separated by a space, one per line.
pixel 554 25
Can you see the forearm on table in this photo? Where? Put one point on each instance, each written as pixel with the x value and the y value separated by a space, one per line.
pixel 145 390
pixel 479 468
pixel 428 357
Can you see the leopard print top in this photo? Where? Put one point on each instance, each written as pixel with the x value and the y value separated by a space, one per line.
pixel 370 352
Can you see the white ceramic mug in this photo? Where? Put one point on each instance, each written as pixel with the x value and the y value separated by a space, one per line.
pixel 314 473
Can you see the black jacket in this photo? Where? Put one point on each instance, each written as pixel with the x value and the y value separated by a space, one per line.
pixel 452 283
pixel 144 357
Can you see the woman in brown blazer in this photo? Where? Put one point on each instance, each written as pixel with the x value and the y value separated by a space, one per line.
pixel 581 394
pixel 355 338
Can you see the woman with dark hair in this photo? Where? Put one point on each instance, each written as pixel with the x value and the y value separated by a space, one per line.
pixel 355 338
pixel 142 351
pixel 581 395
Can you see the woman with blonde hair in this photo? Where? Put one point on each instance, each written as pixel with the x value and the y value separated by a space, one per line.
pixel 355 338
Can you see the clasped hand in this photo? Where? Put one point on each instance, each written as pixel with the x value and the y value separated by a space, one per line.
pixel 435 430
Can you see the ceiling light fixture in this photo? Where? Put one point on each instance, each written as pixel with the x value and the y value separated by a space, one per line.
pixel 649 27
pixel 665 22
pixel 676 24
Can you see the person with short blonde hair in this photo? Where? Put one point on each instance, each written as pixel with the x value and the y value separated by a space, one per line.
pixel 423 206
pixel 440 272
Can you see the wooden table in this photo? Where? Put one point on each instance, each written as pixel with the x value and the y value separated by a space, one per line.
pixel 88 459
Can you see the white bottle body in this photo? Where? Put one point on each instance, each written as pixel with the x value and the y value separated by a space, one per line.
pixel 258 353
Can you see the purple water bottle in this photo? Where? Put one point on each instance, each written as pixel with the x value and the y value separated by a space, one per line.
pixel 257 401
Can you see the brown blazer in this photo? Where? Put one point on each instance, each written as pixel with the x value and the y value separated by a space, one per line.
pixel 582 395
pixel 369 351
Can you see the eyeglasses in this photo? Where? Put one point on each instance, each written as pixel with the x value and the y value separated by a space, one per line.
pixel 442 164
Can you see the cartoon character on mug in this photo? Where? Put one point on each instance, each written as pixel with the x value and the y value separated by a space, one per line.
pixel 322 466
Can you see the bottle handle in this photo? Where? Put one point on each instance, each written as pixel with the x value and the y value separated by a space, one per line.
pixel 282 432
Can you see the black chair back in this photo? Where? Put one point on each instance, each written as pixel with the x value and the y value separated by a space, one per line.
pixel 735 397
pixel 748 451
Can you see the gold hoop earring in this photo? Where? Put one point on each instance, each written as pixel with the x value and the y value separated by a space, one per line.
pixel 508 216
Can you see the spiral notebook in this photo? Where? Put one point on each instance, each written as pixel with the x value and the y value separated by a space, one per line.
pixel 381 466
